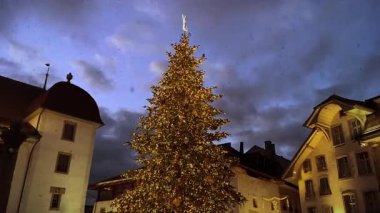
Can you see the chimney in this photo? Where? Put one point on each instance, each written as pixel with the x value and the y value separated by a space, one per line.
pixel 241 150
pixel 270 148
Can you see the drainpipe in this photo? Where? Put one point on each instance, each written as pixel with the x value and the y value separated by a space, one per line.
pixel 29 162
pixel 13 138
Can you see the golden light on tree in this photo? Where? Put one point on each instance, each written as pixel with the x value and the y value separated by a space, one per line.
pixel 182 170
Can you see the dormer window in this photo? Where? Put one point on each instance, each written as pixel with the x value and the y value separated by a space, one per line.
pixel 68 132
pixel 337 135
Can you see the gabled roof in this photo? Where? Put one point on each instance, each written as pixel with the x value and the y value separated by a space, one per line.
pixel 344 104
pixel 337 104
pixel 300 155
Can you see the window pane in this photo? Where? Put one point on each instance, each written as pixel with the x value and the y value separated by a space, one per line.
pixel 350 203
pixel 343 167
pixel 324 187
pixel 355 128
pixel 63 163
pixel 254 203
pixel 307 165
pixel 337 134
pixel 371 203
pixel 321 163
pixel 364 165
pixel 311 210
pixel 327 209
pixel 55 201
pixel 309 189
pixel 68 132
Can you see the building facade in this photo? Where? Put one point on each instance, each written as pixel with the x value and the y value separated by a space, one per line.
pixel 257 178
pixel 336 168
pixel 51 167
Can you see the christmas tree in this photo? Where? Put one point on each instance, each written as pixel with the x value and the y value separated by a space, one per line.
pixel 182 170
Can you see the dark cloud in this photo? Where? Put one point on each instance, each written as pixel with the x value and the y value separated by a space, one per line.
pixel 111 155
pixel 8 64
pixel 272 60
pixel 93 75
pixel 54 13
pixel 317 54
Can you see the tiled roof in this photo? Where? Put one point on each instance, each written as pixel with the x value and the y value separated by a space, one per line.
pixel 15 97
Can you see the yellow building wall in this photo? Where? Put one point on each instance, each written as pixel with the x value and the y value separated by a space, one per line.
pixel 357 183
pixel 42 175
pixel 262 190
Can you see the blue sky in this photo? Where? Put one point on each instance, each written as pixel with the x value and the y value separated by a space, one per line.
pixel 272 60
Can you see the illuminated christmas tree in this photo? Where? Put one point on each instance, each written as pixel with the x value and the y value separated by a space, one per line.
pixel 182 170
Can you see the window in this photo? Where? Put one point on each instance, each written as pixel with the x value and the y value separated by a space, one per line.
pixel 337 135
pixel 55 201
pixel 68 132
pixel 355 128
pixel 324 187
pixel 285 204
pixel 105 194
pixel 364 166
pixel 290 203
pixel 321 163
pixel 350 204
pixel 311 209
pixel 56 194
pixel 327 209
pixel 306 165
pixel 343 167
pixel 371 202
pixel 254 203
pixel 63 162
pixel 309 189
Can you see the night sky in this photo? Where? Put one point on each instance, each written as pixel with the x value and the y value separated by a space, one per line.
pixel 272 61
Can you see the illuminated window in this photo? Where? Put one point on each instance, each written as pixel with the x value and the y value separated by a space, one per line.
pixel 321 163
pixel 312 209
pixel 371 202
pixel 68 132
pixel 355 128
pixel 309 189
pixel 364 166
pixel 350 203
pixel 63 162
pixel 56 195
pixel 343 167
pixel 306 165
pixel 337 135
pixel 324 187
